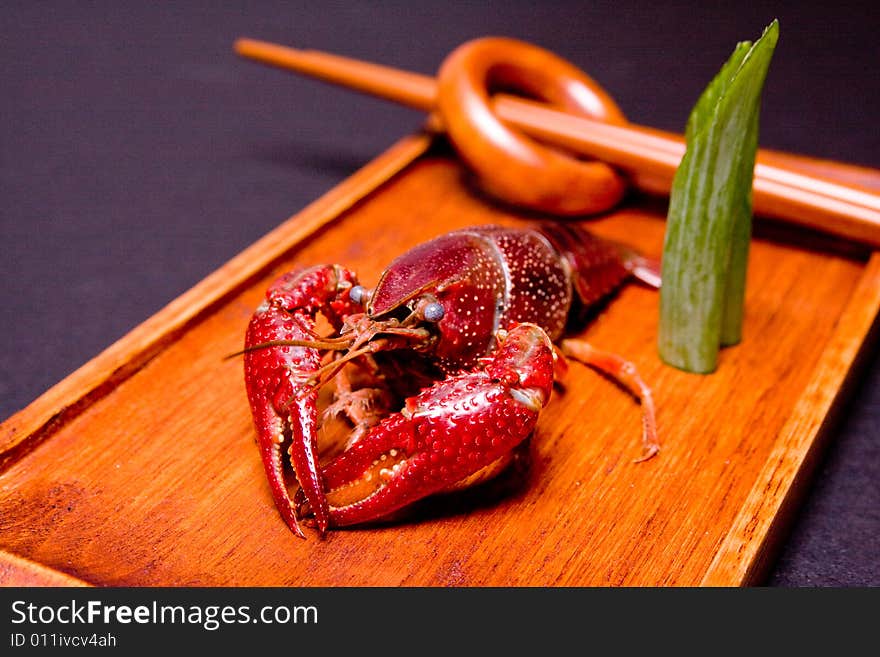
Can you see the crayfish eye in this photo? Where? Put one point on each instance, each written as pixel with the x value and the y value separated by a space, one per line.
pixel 358 295
pixel 433 312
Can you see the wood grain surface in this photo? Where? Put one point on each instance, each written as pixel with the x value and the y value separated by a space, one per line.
pixel 141 469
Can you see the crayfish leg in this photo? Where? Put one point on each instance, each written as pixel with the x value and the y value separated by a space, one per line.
pixel 624 372
pixel 364 406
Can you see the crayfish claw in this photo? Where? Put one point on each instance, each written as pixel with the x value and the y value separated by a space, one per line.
pixel 282 353
pixel 271 438
pixel 303 456
pixel 447 436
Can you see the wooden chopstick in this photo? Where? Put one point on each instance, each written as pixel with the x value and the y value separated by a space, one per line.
pixel 784 185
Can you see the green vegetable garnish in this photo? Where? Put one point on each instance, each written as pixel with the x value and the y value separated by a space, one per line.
pixel 710 214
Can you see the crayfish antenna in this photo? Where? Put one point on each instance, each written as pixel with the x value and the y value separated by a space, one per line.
pixel 329 344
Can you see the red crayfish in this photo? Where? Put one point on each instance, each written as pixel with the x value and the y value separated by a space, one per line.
pixel 458 335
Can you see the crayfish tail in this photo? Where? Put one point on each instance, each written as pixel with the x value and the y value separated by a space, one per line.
pixel 646 270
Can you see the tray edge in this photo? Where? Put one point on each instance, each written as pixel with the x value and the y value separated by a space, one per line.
pixel 744 552
pixel 18 571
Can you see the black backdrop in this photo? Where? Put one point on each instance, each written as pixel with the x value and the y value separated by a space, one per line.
pixel 137 154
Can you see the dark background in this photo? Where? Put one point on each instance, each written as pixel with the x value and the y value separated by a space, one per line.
pixel 138 154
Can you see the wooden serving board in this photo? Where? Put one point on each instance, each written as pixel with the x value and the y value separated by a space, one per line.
pixel 141 469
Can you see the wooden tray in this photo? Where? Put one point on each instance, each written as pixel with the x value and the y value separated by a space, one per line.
pixel 140 468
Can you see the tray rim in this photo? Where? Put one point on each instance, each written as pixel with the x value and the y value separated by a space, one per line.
pixel 743 552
